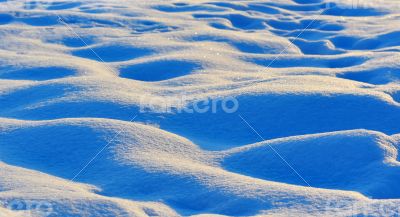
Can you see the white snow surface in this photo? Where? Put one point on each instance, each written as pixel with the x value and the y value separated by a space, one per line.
pixel 92 121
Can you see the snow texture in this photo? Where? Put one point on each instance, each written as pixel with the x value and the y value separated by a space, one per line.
pixel 99 108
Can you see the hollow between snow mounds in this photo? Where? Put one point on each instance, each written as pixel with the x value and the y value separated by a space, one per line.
pixel 37 73
pixel 377 76
pixel 113 52
pixel 64 5
pixel 74 42
pixel 311 62
pixel 396 96
pixel 5 19
pixel 159 70
pixel 386 40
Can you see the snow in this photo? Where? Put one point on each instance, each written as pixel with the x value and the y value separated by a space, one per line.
pixel 119 108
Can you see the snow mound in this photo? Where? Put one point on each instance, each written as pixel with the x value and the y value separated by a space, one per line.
pixel 141 158
pixel 362 161
pixel 31 193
